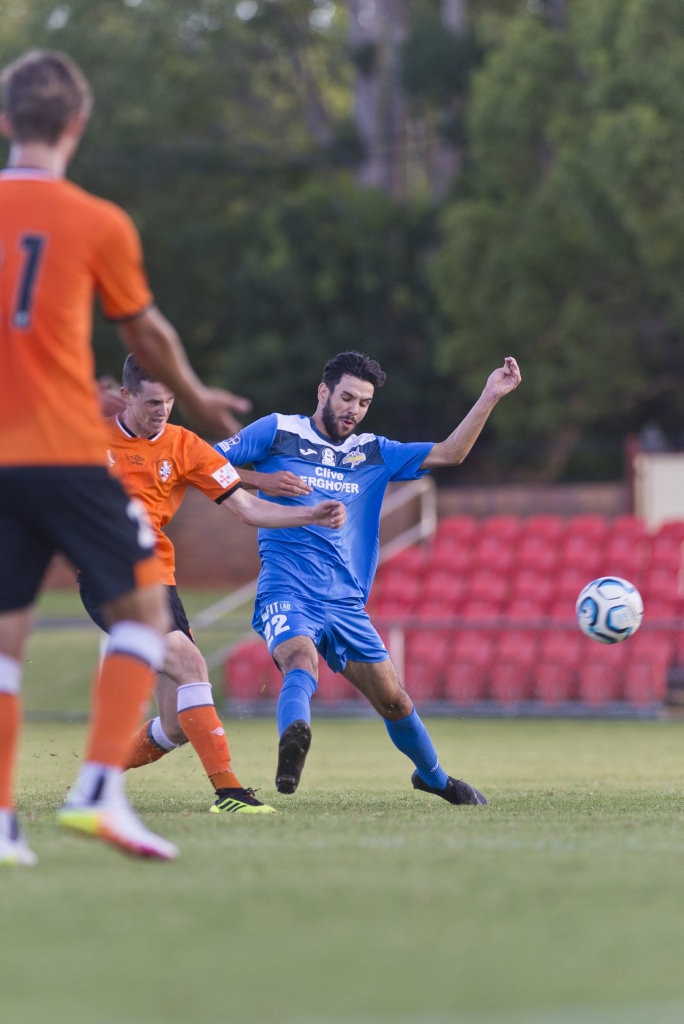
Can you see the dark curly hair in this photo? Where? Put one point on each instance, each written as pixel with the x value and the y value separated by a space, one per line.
pixel 356 364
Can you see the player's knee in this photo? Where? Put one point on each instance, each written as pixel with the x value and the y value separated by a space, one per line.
pixel 184 661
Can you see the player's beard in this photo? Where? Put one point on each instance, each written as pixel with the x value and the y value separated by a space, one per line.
pixel 331 425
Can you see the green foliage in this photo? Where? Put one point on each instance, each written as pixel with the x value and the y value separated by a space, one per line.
pixel 324 270
pixel 230 138
pixel 563 244
pixel 436 64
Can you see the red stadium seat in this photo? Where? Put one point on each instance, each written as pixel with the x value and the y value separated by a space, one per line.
pixel 460 530
pixel 525 613
pixel 591 526
pixel 399 587
pixel 563 646
pixel 494 553
pixel 455 558
pixel 333 687
pixel 512 671
pixel 545 526
pixel 517 645
pixel 426 655
pixel 672 528
pixel 506 527
pixel 473 645
pixel 442 585
pixel 599 675
pixel 568 582
pixel 412 561
pixel 488 585
pixel 250 673
pixel 532 584
pixel 666 550
pixel 580 552
pixel 628 527
pixel 645 681
pixel 510 682
pixel 465 681
pixel 555 681
pixel 539 553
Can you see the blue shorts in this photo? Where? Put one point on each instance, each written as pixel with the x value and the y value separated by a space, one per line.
pixel 341 632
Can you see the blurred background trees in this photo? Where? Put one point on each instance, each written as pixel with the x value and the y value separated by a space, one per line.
pixel 437 182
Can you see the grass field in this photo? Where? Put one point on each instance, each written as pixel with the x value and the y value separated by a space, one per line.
pixel 362 901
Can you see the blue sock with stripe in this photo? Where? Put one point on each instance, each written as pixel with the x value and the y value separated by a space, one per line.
pixel 294 701
pixel 410 736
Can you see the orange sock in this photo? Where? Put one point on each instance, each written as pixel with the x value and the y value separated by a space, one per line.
pixel 203 728
pixel 10 724
pixel 122 690
pixel 143 750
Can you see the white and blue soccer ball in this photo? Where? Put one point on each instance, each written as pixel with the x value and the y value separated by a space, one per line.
pixel 609 609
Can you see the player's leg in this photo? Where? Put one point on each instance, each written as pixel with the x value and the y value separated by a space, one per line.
pixel 159 735
pixel 24 558
pixel 107 536
pixel 197 719
pixel 14 629
pixel 291 631
pixel 379 683
pixel 353 646
pixel 297 659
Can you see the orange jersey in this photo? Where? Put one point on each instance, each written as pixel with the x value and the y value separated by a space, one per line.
pixel 158 470
pixel 59 247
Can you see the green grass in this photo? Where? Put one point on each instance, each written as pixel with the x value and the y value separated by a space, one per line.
pixel 362 901
pixel 61 656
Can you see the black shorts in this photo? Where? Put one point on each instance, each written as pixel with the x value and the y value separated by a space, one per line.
pixel 179 618
pixel 80 512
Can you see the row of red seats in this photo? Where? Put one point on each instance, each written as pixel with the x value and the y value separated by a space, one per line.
pixel 550 666
pixel 464 667
pixel 489 586
pixel 531 566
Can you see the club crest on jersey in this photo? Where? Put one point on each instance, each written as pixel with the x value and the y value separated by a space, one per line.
pixel 328 457
pixel 164 469
pixel 354 458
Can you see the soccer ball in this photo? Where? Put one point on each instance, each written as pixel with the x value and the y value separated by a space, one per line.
pixel 609 609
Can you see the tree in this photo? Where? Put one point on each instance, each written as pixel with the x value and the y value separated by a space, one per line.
pixel 563 242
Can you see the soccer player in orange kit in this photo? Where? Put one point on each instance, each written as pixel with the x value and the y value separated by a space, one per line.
pixel 59 247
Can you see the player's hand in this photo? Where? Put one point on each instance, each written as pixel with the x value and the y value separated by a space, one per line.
pixel 282 484
pixel 329 513
pixel 109 393
pixel 504 380
pixel 213 411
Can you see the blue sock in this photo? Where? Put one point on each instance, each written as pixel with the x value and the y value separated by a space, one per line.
pixel 411 737
pixel 294 701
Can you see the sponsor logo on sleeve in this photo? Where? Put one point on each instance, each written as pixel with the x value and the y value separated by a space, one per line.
pixel 225 476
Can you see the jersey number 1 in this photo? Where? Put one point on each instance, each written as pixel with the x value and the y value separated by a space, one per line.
pixel 32 247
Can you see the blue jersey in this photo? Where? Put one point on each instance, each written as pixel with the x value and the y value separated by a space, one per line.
pixel 334 564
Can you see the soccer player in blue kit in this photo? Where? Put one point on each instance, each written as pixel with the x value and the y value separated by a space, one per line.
pixel 314 583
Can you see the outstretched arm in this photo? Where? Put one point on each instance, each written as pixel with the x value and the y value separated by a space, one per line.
pixel 156 345
pixel 257 512
pixel 281 484
pixel 454 449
